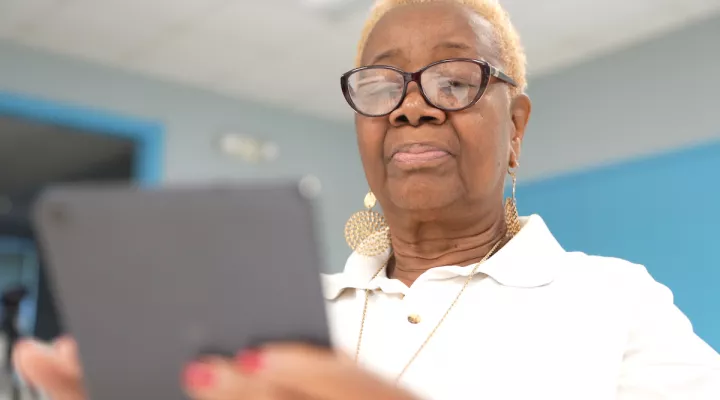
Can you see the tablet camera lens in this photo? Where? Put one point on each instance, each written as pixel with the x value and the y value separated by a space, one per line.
pixel 58 214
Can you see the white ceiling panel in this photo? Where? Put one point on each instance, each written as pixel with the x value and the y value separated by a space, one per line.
pixel 15 15
pixel 176 16
pixel 556 37
pixel 189 56
pixel 105 30
pixel 288 26
pixel 92 29
pixel 280 50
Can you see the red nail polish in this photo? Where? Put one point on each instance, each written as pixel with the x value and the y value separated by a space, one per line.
pixel 250 361
pixel 198 376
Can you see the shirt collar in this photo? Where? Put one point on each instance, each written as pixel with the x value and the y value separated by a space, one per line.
pixel 525 261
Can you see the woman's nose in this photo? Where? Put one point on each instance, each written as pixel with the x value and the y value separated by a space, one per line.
pixel 415 110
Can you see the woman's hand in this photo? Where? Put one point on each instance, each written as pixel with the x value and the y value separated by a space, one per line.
pixel 286 372
pixel 54 368
pixel 275 372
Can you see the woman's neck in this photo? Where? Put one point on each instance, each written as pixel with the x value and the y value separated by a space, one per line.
pixel 420 246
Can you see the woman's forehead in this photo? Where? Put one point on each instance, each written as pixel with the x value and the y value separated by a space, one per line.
pixel 430 30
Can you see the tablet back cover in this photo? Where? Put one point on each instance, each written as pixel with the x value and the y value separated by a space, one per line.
pixel 149 279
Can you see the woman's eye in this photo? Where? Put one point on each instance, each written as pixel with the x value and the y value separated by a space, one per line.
pixel 377 88
pixel 455 84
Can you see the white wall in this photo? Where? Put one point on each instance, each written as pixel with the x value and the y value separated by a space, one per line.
pixel 646 99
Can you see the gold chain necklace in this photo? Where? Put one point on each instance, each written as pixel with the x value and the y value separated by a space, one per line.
pixel 432 333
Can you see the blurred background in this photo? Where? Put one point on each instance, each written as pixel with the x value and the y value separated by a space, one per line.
pixel 622 155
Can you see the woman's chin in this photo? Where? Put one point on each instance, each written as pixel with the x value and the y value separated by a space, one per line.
pixel 418 197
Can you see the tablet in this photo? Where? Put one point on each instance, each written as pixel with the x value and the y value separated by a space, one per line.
pixel 147 280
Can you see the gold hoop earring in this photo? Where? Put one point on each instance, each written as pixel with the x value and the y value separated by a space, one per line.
pixel 367 232
pixel 512 219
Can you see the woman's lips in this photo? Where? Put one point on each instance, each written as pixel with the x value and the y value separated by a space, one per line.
pixel 418 154
pixel 424 156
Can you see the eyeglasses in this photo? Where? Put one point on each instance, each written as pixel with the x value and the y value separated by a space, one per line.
pixel 449 85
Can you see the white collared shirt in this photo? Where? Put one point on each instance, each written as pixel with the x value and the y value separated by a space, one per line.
pixel 535 323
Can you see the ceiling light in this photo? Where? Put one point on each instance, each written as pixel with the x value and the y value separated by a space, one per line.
pixel 248 149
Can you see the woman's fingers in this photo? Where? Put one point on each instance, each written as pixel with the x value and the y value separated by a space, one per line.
pixel 316 374
pixel 277 372
pixel 53 369
pixel 67 349
pixel 222 379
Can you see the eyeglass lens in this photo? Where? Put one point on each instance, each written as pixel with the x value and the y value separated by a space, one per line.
pixel 449 86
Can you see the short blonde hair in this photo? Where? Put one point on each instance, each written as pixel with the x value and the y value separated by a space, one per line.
pixel 512 53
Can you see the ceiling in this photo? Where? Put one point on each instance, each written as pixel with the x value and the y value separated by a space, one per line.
pixel 280 51
pixel 34 154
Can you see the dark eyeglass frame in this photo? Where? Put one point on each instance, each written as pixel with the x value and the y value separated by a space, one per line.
pixel 488 71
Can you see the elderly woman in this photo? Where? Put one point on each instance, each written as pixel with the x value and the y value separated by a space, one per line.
pixel 450 295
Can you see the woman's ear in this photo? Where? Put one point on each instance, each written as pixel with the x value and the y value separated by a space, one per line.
pixel 514 159
pixel 520 115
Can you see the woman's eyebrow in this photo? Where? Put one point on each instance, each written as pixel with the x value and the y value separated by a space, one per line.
pixel 452 45
pixel 385 55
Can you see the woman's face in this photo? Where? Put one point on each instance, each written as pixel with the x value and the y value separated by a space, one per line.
pixel 419 157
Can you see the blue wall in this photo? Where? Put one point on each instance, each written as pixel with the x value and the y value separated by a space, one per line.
pixel 661 212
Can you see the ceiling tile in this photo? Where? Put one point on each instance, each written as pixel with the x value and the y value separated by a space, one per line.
pixel 238 40
pixel 196 57
pixel 268 22
pixel 15 14
pixel 98 30
pixel 177 17
pixel 108 29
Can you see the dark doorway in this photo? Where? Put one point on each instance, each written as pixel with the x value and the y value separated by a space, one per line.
pixel 34 155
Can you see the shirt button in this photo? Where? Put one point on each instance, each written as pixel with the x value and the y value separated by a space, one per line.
pixel 414 319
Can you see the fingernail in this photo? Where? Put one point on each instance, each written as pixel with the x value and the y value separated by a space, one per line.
pixel 198 376
pixel 250 361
